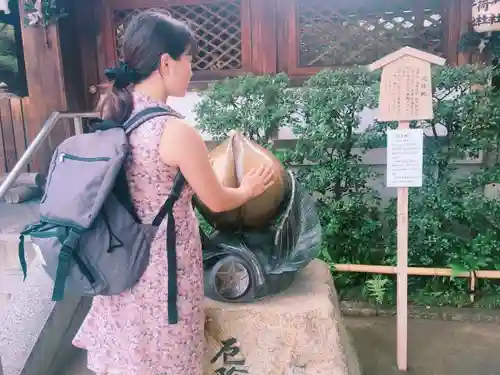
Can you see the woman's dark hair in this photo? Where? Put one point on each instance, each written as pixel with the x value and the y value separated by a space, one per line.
pixel 149 35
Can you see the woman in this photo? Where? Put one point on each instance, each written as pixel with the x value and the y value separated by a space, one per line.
pixel 129 334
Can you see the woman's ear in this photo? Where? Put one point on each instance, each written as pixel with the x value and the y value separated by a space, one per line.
pixel 164 63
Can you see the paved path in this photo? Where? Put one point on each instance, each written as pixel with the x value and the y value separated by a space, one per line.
pixel 435 347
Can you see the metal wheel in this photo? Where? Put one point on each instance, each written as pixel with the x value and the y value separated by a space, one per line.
pixel 231 278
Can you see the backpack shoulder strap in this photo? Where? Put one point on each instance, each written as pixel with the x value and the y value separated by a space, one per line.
pixel 179 182
pixel 136 120
pixel 145 115
pixel 166 210
pixel 133 123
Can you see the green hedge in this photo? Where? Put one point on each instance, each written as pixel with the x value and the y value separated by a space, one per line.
pixel 452 223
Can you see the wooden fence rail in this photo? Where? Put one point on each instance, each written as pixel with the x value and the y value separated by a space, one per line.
pixel 13 131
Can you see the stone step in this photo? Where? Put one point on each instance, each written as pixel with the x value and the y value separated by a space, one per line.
pixel 76 365
pixel 35 332
pixel 13 218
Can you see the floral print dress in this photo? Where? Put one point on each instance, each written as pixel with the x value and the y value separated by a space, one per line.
pixel 129 334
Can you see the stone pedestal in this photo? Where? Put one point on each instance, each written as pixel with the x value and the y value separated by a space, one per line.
pixel 297 333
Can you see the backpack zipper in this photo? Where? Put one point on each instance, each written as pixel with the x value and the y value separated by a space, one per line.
pixel 65 156
pixel 61 158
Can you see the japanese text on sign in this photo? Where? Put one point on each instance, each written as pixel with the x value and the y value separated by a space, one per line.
pixel 406 92
pixel 404 157
pixel 232 361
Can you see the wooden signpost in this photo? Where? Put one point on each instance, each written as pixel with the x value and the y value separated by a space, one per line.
pixel 405 95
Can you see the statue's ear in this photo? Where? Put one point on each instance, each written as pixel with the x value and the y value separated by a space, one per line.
pixel 299 231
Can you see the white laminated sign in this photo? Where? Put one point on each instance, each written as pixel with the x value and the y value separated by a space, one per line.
pixel 404 157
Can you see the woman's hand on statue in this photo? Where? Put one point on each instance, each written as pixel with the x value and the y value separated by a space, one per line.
pixel 257 181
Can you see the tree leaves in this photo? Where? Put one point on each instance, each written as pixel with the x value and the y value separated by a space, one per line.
pixel 256 105
pixel 451 223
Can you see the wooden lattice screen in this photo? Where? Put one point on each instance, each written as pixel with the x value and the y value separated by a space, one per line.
pixel 217 25
pixel 345 33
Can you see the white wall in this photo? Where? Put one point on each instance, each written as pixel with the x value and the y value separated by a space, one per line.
pixel 186 106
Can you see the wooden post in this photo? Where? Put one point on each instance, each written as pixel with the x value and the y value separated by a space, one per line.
pixel 51 83
pixel 405 95
pixel 402 276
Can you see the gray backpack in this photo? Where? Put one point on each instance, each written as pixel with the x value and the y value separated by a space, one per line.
pixel 89 236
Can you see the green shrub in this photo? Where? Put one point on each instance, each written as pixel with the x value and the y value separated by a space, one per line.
pixel 258 106
pixel 329 137
pixel 452 224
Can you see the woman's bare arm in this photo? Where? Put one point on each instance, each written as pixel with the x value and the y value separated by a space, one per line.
pixel 183 147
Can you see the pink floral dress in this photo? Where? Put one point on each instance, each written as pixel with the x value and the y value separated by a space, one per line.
pixel 129 334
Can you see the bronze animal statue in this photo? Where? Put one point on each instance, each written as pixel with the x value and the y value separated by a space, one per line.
pixel 257 249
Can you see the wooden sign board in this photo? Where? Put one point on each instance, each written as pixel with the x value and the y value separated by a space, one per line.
pixel 485 16
pixel 405 95
pixel 406 92
pixel 406 89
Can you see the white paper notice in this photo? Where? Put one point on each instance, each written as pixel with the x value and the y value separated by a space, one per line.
pixel 405 149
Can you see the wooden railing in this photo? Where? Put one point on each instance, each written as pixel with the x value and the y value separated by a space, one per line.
pixel 13 131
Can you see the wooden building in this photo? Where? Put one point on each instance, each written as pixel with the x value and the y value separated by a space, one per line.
pixel 65 62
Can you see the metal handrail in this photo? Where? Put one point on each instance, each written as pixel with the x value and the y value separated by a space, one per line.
pixel 38 141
